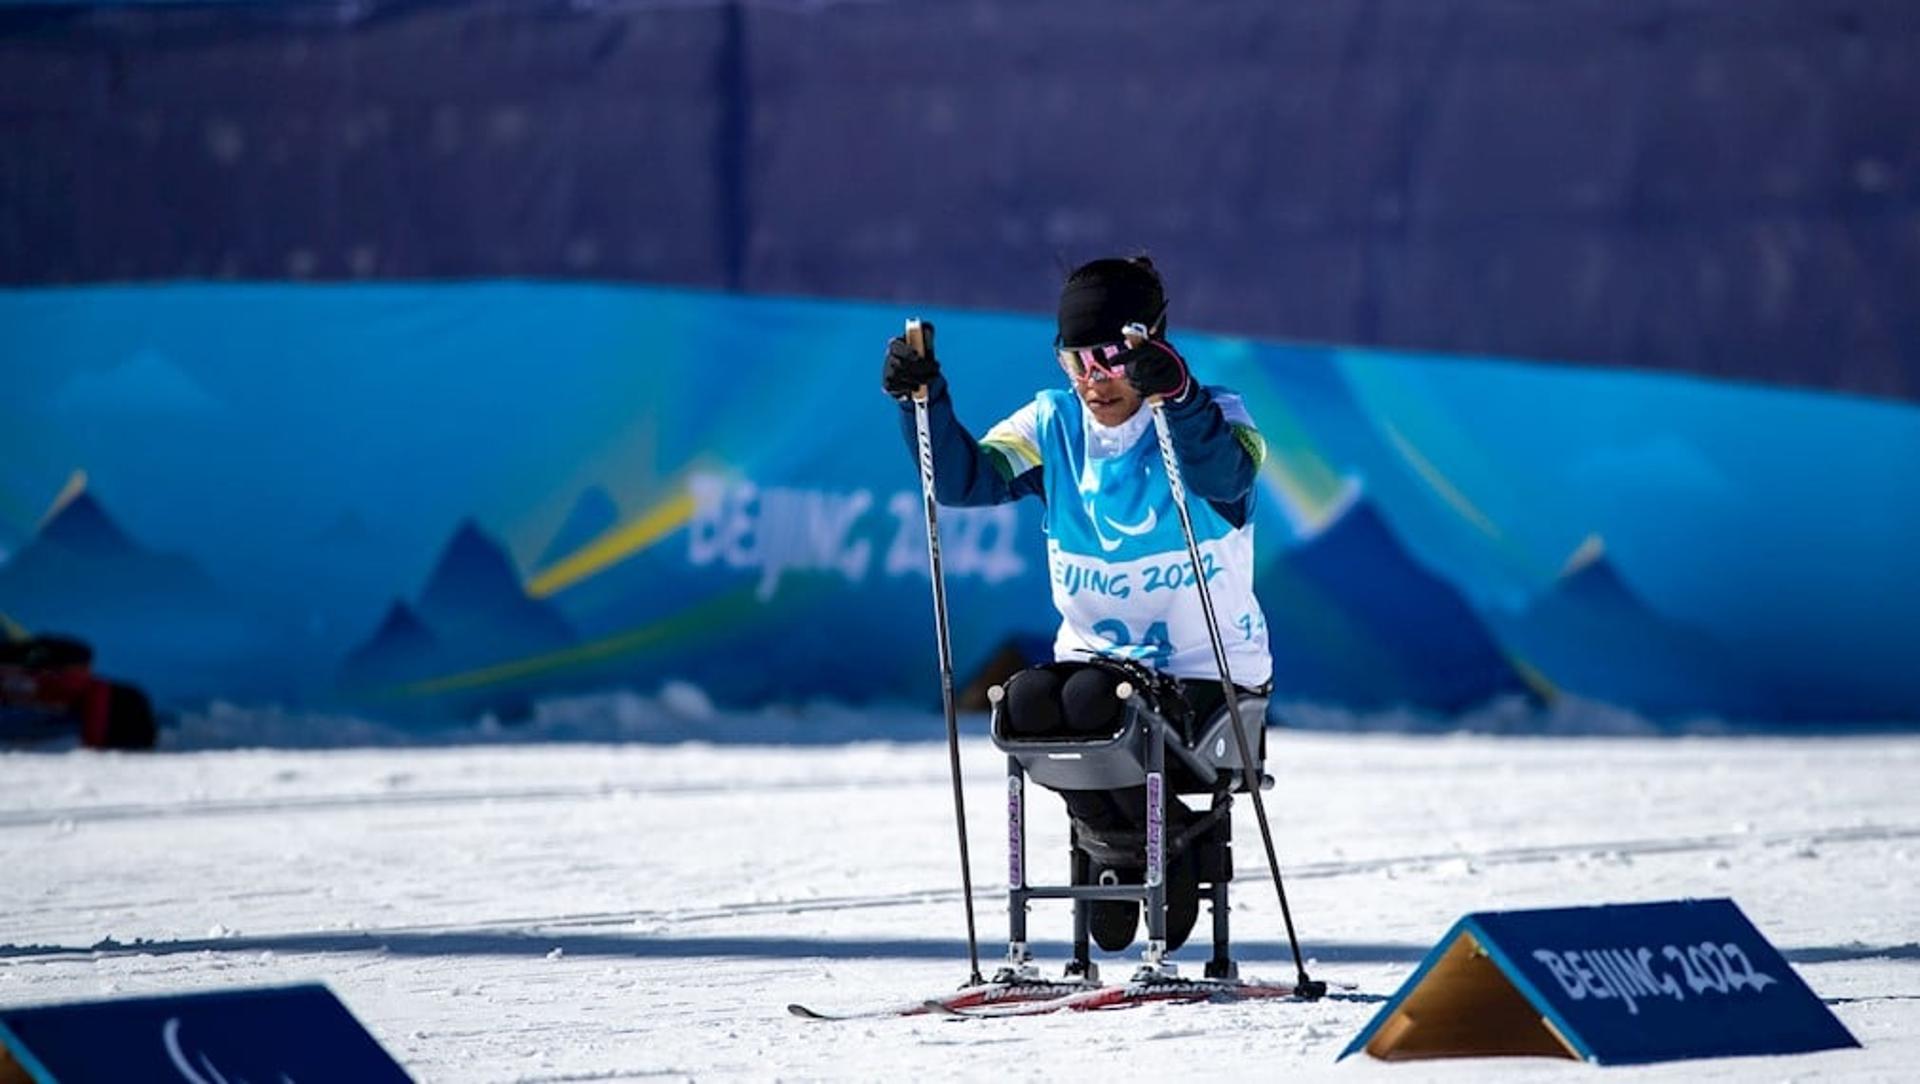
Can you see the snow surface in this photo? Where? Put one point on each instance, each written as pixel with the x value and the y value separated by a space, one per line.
pixel 499 908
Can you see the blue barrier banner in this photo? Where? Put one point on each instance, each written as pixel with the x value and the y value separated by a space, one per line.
pixel 1615 985
pixel 440 502
pixel 290 1033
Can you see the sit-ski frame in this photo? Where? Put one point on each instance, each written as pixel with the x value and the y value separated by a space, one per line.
pixel 1139 748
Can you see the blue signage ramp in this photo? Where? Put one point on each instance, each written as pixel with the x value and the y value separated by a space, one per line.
pixel 1614 985
pixel 298 1033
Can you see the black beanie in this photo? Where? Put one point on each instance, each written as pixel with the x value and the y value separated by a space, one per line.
pixel 1104 296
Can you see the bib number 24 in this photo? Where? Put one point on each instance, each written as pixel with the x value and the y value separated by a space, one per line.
pixel 1153 646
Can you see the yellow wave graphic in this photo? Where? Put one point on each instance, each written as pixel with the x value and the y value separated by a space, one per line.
pixel 76 485
pixel 710 615
pixel 1308 487
pixel 1535 679
pixel 1440 483
pixel 1305 499
pixel 615 546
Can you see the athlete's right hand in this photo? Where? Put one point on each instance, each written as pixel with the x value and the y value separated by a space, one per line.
pixel 906 371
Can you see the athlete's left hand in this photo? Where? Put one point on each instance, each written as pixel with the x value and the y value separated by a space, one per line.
pixel 1156 368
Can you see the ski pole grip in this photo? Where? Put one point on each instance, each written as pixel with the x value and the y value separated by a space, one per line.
pixel 1135 334
pixel 917 339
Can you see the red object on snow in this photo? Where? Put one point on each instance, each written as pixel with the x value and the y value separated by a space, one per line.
pixel 48 689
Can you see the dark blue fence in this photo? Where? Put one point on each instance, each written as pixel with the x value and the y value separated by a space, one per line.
pixel 1723 186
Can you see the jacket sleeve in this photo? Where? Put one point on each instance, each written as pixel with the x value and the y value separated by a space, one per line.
pixel 1220 451
pixel 966 472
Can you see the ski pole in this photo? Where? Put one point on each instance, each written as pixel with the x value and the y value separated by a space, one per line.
pixel 1305 987
pixel 917 337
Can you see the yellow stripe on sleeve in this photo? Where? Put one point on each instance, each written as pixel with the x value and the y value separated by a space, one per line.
pixel 1253 442
pixel 1020 453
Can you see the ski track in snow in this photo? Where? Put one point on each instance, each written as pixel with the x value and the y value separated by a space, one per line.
pixel 985 895
pixel 325 803
pixel 572 913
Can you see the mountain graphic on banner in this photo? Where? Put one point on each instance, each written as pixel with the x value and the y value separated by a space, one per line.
pixel 401 649
pixel 1591 633
pixel 1355 619
pixel 155 618
pixel 81 565
pixel 475 598
pixel 473 612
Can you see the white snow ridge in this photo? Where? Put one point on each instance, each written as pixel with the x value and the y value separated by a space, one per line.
pixel 499 909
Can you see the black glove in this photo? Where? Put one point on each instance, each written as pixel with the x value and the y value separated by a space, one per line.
pixel 1156 368
pixel 906 371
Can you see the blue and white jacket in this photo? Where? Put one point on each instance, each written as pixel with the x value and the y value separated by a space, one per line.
pixel 1121 577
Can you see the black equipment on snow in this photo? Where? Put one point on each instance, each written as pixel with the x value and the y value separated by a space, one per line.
pixel 919 338
pixel 1152 742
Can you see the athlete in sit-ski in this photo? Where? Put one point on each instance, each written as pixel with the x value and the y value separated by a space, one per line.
pixel 1116 555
